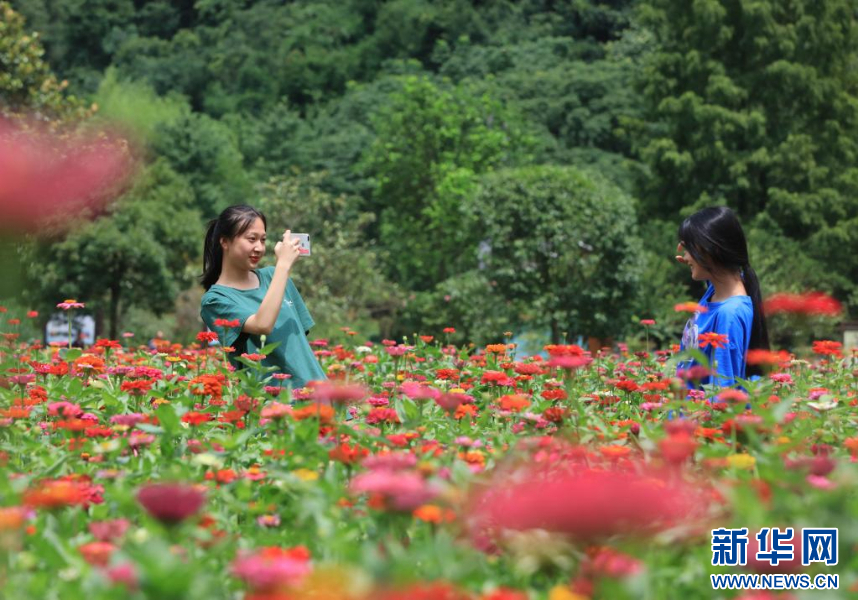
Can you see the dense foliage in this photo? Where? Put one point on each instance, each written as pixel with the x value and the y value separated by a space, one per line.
pixel 404 109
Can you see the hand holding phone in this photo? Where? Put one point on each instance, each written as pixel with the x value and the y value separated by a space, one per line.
pixel 304 238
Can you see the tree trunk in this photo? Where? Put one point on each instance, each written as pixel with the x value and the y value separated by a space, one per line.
pixel 555 331
pixel 114 310
pixel 99 320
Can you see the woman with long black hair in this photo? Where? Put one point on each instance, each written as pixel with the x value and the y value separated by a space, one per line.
pixel 731 319
pixel 243 303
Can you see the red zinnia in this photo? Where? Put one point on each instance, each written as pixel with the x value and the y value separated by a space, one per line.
pixel 227 323
pixel 627 385
pixel 347 454
pixel 207 336
pixel 564 350
pixel 828 348
pixel 194 418
pixel 137 387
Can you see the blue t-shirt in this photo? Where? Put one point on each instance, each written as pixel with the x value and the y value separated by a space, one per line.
pixel 732 317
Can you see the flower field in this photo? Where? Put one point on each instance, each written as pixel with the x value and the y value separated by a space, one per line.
pixel 419 470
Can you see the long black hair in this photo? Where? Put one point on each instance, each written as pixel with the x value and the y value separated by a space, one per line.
pixel 232 222
pixel 714 238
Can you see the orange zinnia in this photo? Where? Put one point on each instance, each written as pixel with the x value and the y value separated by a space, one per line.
pixel 514 402
pixel 710 338
pixel 324 413
pixel 615 452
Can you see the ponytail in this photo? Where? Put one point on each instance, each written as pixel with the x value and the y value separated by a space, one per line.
pixel 759 330
pixel 232 222
pixel 212 256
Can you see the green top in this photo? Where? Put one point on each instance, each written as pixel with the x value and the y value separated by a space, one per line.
pixel 293 356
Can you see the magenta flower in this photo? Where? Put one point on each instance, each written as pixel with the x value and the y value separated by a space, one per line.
pixel 171 503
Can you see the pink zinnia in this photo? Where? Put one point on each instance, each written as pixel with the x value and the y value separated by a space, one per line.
pixel 732 395
pixel 107 531
pixel 123 574
pixel 569 362
pixel 70 304
pixel 271 569
pixel 276 410
pixel 338 393
pixel 398 350
pixel 450 402
pixel 129 420
pixel 65 409
pixel 390 461
pixel 417 391
pixel 402 490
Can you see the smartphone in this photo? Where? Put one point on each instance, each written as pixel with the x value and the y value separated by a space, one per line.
pixel 305 243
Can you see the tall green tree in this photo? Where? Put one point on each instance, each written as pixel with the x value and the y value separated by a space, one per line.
pixel 755 105
pixel 431 143
pixel 562 245
pixel 205 152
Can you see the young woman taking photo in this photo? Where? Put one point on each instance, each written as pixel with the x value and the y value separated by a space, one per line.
pixel 712 244
pixel 262 301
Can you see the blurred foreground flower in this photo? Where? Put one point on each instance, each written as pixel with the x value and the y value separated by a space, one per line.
pixel 273 569
pixel 171 503
pixel 398 490
pixel 586 505
pixel 809 303
pixel 337 393
pixel 45 177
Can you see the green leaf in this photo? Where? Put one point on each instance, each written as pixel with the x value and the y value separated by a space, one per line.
pixel 71 354
pixel 168 418
pixel 269 348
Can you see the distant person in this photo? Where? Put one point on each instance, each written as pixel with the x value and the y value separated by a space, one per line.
pixel 712 245
pixel 262 301
pixel 79 340
pixel 157 340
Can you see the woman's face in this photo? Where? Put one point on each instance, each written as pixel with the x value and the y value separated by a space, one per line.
pixel 698 272
pixel 246 249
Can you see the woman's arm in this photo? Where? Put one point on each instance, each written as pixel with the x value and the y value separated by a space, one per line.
pixel 262 323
